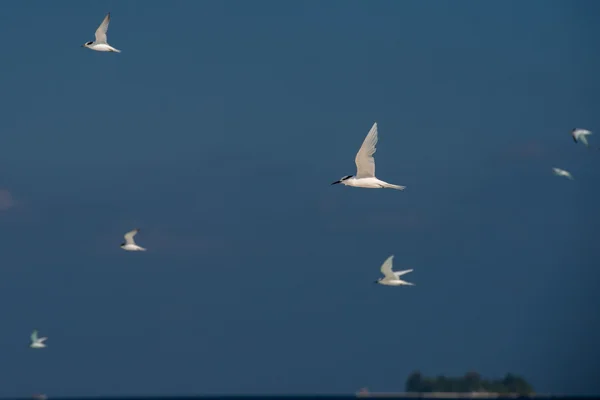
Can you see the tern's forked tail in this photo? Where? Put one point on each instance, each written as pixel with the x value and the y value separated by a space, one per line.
pixel 397 187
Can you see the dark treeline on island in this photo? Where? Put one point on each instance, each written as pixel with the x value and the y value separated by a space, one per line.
pixel 471 382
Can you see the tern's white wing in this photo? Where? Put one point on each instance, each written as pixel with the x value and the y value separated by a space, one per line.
pixel 101 31
pixel 582 132
pixel 400 273
pixel 34 337
pixel 129 236
pixel 580 135
pixel 42 339
pixel 386 268
pixel 365 163
pixel 561 172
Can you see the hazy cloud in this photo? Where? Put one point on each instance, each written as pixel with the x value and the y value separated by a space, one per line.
pixel 528 150
pixel 6 200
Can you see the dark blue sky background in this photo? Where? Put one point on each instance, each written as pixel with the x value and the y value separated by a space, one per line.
pixel 218 130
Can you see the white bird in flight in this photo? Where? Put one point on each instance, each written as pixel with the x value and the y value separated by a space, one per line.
pixel 579 135
pixel 562 172
pixel 129 243
pixel 37 343
pixel 391 278
pixel 101 43
pixel 365 166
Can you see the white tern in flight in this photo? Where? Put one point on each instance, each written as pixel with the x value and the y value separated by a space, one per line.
pixel 129 243
pixel 101 43
pixel 391 278
pixel 562 172
pixel 579 135
pixel 37 343
pixel 365 166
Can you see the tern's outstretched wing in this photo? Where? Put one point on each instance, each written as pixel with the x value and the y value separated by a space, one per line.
pixel 102 29
pixel 580 135
pixel 400 273
pixel 386 268
pixel 34 336
pixel 129 236
pixel 562 172
pixel 42 339
pixel 365 163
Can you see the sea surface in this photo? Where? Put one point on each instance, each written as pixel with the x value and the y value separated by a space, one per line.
pixel 306 397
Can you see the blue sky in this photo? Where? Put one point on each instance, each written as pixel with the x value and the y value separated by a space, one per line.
pixel 218 130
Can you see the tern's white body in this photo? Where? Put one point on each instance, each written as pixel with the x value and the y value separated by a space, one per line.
pixel 579 135
pixel 369 183
pixel 562 172
pixel 102 47
pixel 391 278
pixel 37 343
pixel 365 166
pixel 129 244
pixel 101 44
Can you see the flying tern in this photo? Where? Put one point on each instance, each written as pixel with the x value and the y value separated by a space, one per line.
pixel 365 166
pixel 37 343
pixel 562 172
pixel 579 135
pixel 391 278
pixel 129 243
pixel 101 44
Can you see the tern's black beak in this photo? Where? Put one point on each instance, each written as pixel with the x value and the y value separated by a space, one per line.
pixel 335 182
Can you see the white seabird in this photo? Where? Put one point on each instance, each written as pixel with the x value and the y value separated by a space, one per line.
pixel 579 135
pixel 391 278
pixel 365 166
pixel 129 243
pixel 562 172
pixel 37 343
pixel 101 43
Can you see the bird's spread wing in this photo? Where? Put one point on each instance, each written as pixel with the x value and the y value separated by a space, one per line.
pixel 101 31
pixel 129 236
pixel 34 336
pixel 400 273
pixel 365 163
pixel 386 268
pixel 583 139
pixel 42 339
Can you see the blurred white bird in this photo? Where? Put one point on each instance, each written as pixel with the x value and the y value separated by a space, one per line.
pixel 562 172
pixel 365 166
pixel 37 343
pixel 391 278
pixel 579 135
pixel 129 243
pixel 101 43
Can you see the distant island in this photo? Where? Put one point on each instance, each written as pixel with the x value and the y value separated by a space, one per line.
pixel 469 383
